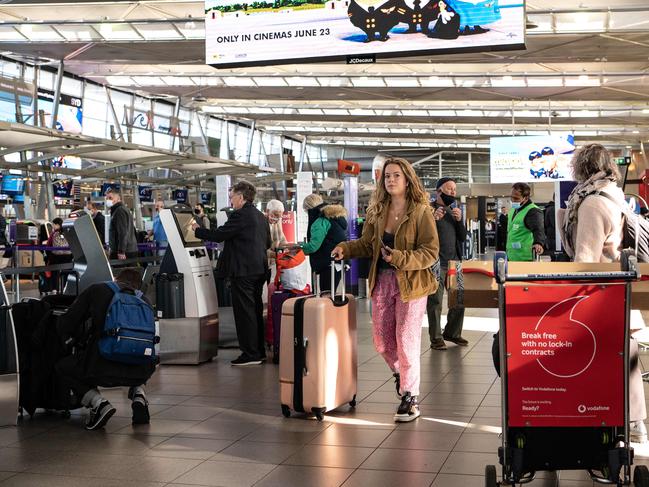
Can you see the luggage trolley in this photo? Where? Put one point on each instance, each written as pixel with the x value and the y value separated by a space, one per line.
pixel 564 368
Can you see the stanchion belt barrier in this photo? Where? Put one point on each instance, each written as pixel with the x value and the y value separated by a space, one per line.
pixel 459 272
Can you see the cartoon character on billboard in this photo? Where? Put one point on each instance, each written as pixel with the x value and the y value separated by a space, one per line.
pixel 448 23
pixel 474 14
pixel 418 16
pixel 536 165
pixel 550 163
pixel 377 20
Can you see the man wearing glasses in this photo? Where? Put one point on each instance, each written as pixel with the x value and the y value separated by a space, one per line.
pixel 246 238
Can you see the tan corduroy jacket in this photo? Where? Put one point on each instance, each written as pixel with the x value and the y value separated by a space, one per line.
pixel 416 248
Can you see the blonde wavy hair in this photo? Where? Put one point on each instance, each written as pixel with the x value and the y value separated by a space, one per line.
pixel 380 200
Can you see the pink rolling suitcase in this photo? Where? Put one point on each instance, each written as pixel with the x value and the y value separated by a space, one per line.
pixel 318 353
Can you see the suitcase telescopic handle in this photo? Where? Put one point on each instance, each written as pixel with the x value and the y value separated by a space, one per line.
pixel 343 269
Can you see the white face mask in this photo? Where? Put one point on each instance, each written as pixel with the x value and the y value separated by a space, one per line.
pixel 109 203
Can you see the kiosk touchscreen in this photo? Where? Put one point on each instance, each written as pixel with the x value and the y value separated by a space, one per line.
pixel 193 338
pixel 90 263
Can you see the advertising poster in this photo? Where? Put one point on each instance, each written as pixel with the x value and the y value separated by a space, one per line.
pixel 533 158
pixel 288 226
pixel 70 115
pixel 283 31
pixel 564 345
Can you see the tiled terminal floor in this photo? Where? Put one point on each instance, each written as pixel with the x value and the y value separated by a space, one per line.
pixel 216 425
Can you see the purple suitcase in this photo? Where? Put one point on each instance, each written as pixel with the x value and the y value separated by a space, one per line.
pixel 277 300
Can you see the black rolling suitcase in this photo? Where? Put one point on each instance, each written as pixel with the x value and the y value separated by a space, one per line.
pixel 39 348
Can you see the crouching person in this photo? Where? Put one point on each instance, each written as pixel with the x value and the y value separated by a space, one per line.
pixel 111 332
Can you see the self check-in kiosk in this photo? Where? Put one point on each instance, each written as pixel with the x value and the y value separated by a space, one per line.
pixel 90 263
pixel 193 338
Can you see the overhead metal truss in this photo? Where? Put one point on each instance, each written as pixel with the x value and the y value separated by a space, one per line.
pixel 166 25
pixel 114 160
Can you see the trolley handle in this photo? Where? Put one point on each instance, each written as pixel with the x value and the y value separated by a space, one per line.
pixel 577 276
pixel 629 272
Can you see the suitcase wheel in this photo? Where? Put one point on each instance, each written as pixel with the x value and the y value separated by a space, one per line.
pixel 490 476
pixel 352 403
pixel 641 476
pixel 286 411
pixel 318 413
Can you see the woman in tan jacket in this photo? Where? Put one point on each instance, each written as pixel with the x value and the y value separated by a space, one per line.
pixel 400 236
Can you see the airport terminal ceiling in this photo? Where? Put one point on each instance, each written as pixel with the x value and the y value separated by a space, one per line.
pixel 584 71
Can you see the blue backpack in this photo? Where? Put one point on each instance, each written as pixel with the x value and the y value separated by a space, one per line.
pixel 129 330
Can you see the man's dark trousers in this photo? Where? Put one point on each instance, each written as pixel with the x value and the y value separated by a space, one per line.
pixel 248 311
pixel 454 318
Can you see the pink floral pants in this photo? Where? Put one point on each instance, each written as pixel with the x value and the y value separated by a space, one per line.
pixel 397 330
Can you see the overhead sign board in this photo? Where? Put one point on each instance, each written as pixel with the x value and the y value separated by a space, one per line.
pixel 531 158
pixel 267 32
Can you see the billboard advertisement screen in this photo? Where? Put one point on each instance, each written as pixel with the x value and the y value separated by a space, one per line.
pixel 70 114
pixel 266 32
pixel 533 158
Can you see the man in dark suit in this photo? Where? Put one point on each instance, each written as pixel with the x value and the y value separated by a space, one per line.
pixel 501 231
pixel 246 238
pixel 98 219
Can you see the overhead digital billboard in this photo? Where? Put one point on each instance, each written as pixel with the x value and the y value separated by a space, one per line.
pixel 265 32
pixel 531 158
pixel 70 112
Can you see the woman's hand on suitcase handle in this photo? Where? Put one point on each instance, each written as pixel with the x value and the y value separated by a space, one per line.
pixel 337 253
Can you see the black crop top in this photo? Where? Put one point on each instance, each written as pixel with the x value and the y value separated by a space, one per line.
pixel 388 240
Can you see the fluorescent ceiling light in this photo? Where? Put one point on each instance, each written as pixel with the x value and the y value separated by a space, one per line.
pixel 212 109
pixel 270 81
pixel 442 113
pixel 508 82
pixel 302 81
pixel 39 33
pixel 120 80
pixel 367 82
pixel 414 113
pixel 238 81
pixel 147 80
pixel 158 31
pixel 435 82
pixel 333 81
pixel 335 111
pixel 196 32
pixel 582 80
pixel 410 82
pixel 117 32
pixel 175 81
pixel 309 111
pixel 359 112
pixel 78 33
pixel 543 82
pixel 8 33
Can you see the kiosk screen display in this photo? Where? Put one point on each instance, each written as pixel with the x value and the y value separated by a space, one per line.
pixel 184 222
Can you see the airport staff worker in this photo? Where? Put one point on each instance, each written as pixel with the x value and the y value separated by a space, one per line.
pixel 246 238
pixel 525 226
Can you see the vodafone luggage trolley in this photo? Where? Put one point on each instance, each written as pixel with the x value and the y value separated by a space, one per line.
pixel 564 368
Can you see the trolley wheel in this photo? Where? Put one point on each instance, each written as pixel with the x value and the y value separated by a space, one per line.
pixel 490 476
pixel 286 411
pixel 318 413
pixel 352 403
pixel 641 476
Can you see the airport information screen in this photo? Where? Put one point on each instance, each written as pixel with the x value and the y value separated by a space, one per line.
pixel 534 158
pixel 284 31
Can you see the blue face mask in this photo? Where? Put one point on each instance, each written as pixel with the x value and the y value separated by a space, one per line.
pixel 516 205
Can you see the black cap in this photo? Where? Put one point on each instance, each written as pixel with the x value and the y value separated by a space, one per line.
pixel 442 181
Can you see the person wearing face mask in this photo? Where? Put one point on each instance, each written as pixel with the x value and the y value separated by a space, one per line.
pixel 525 226
pixel 200 217
pixel 244 262
pixel 158 231
pixel 452 234
pixel 98 219
pixel 121 234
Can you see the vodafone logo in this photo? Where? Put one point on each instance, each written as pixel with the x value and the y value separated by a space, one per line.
pixel 572 342
pixel 581 409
